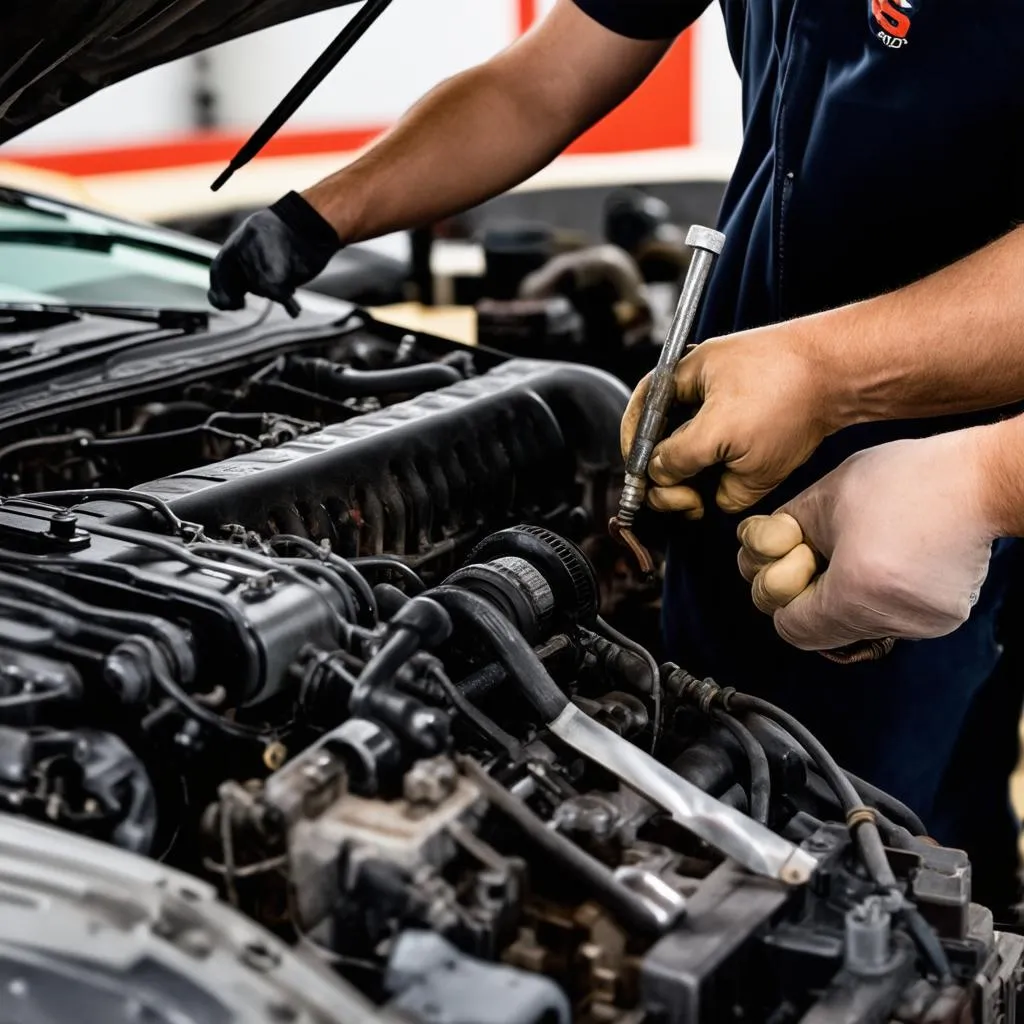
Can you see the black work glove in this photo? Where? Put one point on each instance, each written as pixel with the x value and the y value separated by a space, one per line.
pixel 271 254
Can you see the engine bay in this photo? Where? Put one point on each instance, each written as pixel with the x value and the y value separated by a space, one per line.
pixel 324 696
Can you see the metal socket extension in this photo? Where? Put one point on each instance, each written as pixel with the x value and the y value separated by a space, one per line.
pixel 707 245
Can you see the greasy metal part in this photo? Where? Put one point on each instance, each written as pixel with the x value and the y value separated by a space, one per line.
pixel 857 654
pixel 707 245
pixel 754 846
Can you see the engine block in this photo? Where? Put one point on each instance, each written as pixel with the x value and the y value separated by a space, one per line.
pixel 525 442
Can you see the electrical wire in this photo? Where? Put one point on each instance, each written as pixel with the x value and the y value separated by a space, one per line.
pixel 348 572
pixel 862 825
pixel 610 633
pixel 268 564
pixel 170 687
pixel 862 822
pixel 307 567
pixel 484 724
pixel 75 498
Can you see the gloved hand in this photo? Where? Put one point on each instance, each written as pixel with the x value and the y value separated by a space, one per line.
pixel 902 533
pixel 271 254
pixel 763 407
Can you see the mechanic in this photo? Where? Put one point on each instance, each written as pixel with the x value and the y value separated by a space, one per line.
pixel 880 147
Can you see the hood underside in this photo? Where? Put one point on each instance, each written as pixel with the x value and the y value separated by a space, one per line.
pixel 55 53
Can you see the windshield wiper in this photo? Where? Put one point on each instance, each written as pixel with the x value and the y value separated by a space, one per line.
pixel 28 316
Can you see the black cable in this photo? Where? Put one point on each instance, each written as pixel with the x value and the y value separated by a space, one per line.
pixel 760 776
pixel 348 572
pixel 113 494
pixel 271 565
pixel 512 650
pixel 895 809
pixel 862 822
pixel 626 905
pixel 203 714
pixel 307 566
pixel 484 724
pixel 393 564
pixel 862 825
pixel 652 667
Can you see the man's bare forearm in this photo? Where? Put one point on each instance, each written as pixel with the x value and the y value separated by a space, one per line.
pixel 953 342
pixel 488 129
pixel 1002 458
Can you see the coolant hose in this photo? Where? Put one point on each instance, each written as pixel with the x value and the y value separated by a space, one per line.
pixel 419 623
pixel 510 648
pixel 760 776
pixel 341 382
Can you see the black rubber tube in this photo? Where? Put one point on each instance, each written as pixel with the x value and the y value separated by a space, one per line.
pixel 757 759
pixel 344 382
pixel 408 574
pixel 866 834
pixel 484 724
pixel 512 650
pixel 381 668
pixel 629 908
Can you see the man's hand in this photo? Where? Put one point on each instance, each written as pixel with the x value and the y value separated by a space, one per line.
pixel 903 533
pixel 762 407
pixel 274 252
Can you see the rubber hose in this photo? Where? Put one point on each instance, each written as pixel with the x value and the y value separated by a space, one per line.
pixel 760 776
pixel 629 908
pixel 520 660
pixel 381 668
pixel 408 574
pixel 341 382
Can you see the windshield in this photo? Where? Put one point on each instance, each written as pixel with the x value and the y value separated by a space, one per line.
pixel 52 253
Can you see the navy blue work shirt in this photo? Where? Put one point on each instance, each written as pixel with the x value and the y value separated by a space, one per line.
pixel 884 139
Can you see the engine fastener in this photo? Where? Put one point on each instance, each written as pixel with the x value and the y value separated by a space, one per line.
pixel 274 755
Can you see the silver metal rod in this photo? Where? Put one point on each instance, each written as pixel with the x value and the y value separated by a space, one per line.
pixel 746 841
pixel 707 245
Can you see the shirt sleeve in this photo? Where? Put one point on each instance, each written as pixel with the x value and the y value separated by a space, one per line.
pixel 644 19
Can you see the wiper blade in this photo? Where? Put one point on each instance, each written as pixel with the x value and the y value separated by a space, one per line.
pixel 27 316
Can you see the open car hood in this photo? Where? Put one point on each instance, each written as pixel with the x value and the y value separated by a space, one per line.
pixel 55 53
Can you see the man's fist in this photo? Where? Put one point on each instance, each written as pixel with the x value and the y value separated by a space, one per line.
pixel 274 252
pixel 900 535
pixel 762 406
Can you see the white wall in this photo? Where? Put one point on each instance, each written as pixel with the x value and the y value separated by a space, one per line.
pixel 412 47
pixel 147 108
pixel 718 120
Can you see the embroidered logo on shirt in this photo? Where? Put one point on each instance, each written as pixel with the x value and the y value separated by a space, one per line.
pixel 892 21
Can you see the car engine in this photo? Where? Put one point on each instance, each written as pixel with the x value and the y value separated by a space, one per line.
pixel 317 704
